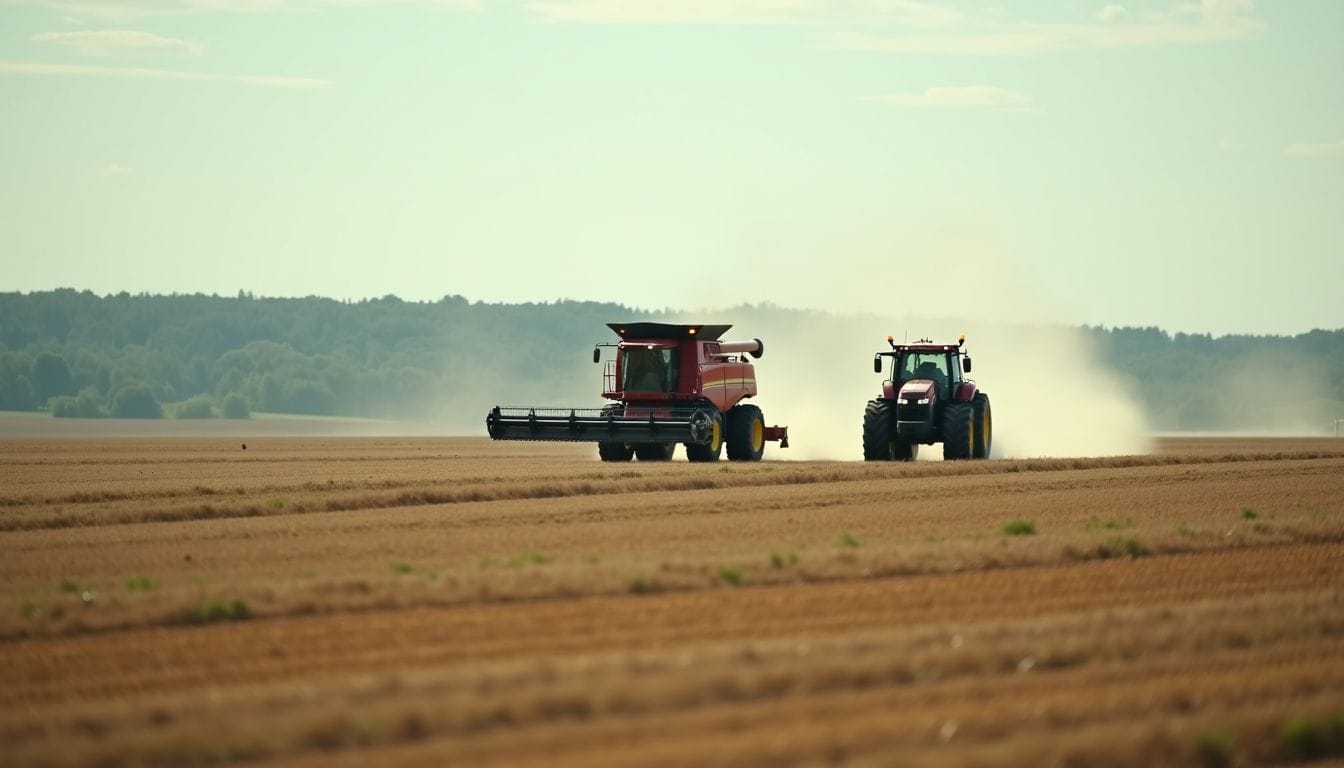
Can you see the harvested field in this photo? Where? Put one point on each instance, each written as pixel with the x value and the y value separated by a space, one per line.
pixel 430 601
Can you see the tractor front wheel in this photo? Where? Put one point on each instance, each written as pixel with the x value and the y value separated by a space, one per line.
pixel 958 436
pixel 746 433
pixel 877 432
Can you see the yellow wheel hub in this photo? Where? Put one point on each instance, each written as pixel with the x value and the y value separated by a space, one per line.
pixel 757 435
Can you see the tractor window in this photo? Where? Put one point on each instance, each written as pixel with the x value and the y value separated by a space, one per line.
pixel 932 366
pixel 649 370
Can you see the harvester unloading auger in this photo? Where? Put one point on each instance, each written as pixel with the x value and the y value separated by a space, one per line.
pixel 671 384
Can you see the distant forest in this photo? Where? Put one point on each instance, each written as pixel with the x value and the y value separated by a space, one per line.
pixel 76 354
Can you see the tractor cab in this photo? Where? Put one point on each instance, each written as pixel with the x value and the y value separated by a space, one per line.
pixel 939 367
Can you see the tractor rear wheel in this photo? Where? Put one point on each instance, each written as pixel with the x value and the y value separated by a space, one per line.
pixel 877 442
pixel 958 436
pixel 746 433
pixel 655 451
pixel 708 451
pixel 983 426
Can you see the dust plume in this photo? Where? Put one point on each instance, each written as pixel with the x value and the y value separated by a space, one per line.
pixel 1050 396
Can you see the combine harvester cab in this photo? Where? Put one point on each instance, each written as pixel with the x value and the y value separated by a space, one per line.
pixel 927 399
pixel 669 384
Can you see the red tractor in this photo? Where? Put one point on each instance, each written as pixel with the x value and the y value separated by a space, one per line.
pixel 671 384
pixel 926 399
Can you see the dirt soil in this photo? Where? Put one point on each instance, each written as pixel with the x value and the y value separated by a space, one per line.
pixel 177 601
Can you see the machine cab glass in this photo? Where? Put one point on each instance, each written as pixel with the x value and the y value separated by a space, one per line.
pixel 648 370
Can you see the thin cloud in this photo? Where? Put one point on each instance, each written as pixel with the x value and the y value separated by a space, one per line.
pixel 114 169
pixel 38 68
pixel 1316 149
pixel 121 42
pixel 925 28
pixel 955 97
pixel 132 9
pixel 742 12
pixel 1112 13
pixel 1213 21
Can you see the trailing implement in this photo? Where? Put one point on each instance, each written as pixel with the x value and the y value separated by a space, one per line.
pixel 670 384
pixel 926 400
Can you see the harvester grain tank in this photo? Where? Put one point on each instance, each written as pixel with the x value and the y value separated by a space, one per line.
pixel 926 399
pixel 669 383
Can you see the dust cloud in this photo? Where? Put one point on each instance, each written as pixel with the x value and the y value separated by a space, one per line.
pixel 1049 394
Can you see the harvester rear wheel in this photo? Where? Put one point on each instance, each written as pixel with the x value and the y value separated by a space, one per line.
pixel 983 426
pixel 655 451
pixel 746 433
pixel 877 442
pixel 713 449
pixel 958 436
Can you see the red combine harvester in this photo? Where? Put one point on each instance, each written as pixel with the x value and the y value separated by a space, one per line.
pixel 927 400
pixel 671 384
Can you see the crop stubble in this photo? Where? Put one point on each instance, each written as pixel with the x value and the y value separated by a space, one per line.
pixel 453 601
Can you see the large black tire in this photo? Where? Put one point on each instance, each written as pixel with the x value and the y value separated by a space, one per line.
pixel 958 437
pixel 712 450
pixel 877 443
pixel 983 426
pixel 655 451
pixel 746 433
pixel 614 451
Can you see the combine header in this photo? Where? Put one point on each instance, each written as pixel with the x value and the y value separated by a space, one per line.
pixel 926 399
pixel 670 384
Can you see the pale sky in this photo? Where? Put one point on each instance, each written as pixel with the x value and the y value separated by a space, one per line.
pixel 1161 163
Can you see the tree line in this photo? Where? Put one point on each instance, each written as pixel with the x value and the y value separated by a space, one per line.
pixel 77 354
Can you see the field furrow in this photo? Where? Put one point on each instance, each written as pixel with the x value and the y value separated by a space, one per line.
pixel 421 602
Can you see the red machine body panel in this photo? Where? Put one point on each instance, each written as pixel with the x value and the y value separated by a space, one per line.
pixel 704 370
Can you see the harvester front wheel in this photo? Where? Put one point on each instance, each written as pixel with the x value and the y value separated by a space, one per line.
pixel 655 451
pixel 714 448
pixel 877 442
pixel 958 436
pixel 746 433
pixel 615 451
pixel 983 426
